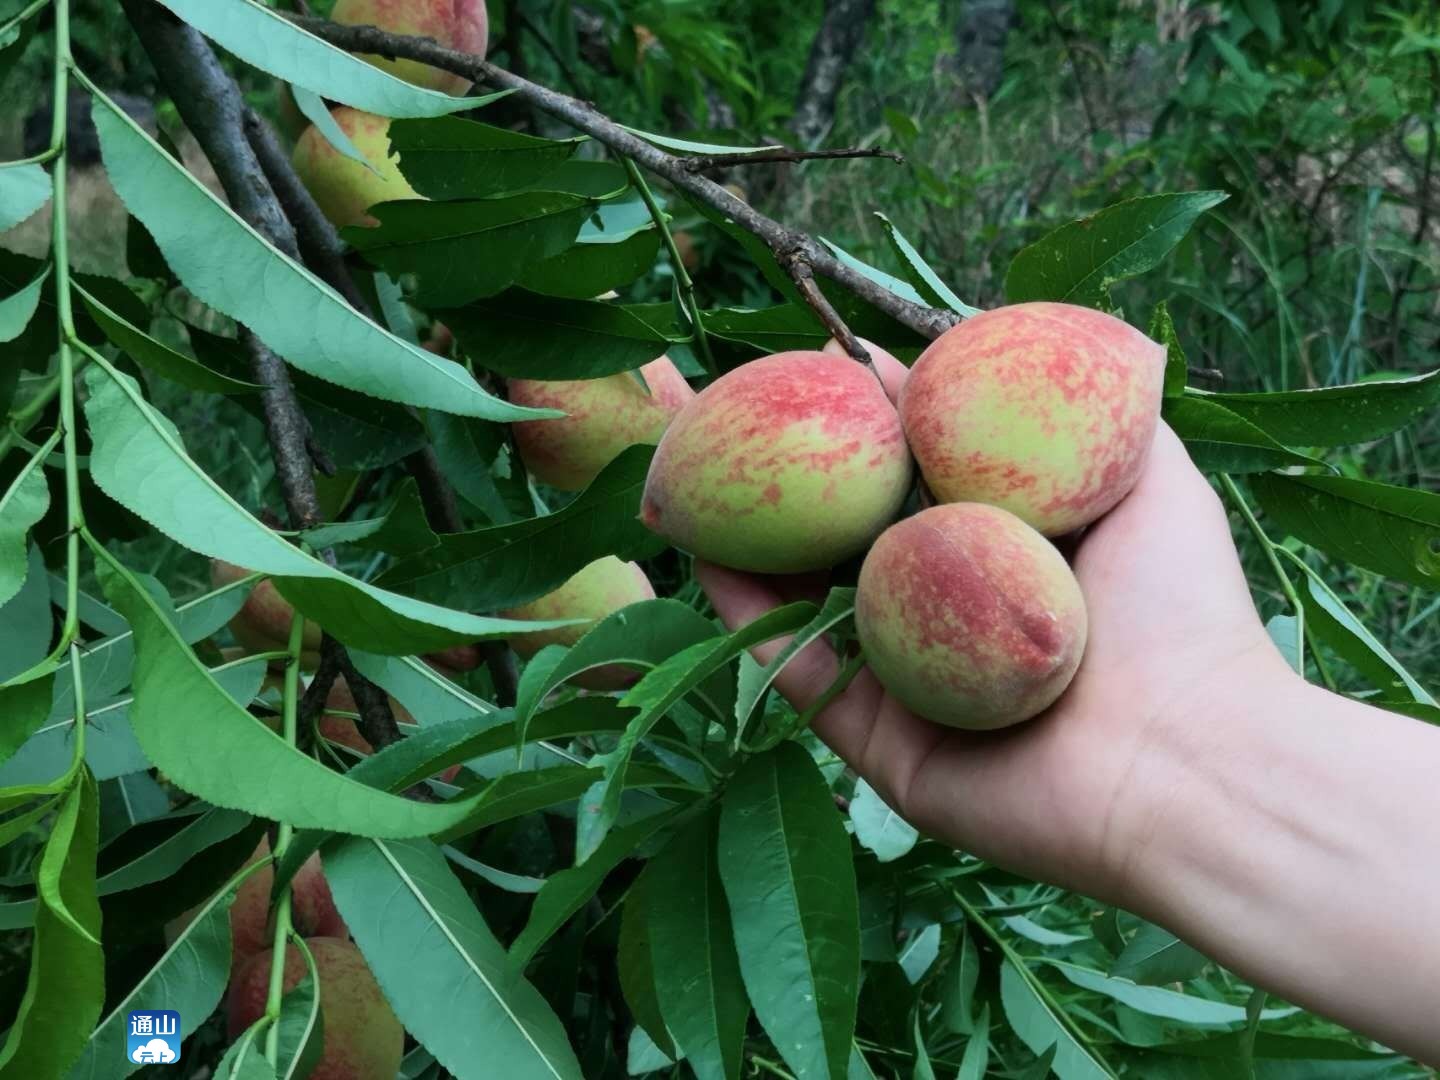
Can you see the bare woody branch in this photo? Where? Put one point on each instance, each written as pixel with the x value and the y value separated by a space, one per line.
pixel 784 155
pixel 788 244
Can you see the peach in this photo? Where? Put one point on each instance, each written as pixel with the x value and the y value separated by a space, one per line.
pixel 263 622
pixel 343 188
pixel 600 589
pixel 969 617
pixel 789 463
pixel 603 417
pixel 1045 409
pixel 463 25
pixel 888 366
pixel 312 908
pixel 363 1038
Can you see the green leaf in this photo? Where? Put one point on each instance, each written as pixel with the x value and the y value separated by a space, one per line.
pixel 22 504
pixel 139 462
pixel 523 335
pixel 65 989
pixel 220 258
pixel 877 827
pixel 233 760
pixel 402 530
pixel 927 282
pixel 420 688
pixel 786 865
pixel 772 329
pixel 451 158
pixel 839 605
pixel 314 109
pixel 18 309
pixel 1155 956
pixel 1158 1001
pixel 301 1022
pixel 161 359
pixel 1221 441
pixel 977 1050
pixel 958 1003
pixel 635 961
pixel 189 977
pixel 1039 1028
pixel 1177 369
pixel 461 251
pixel 427 934
pixel 265 39
pixel 686 146
pixel 24 189
pixel 663 687
pixel 566 892
pixel 505 565
pixel 1393 531
pixel 1336 415
pixel 594 265
pixel 700 991
pixel 1078 261
pixel 26 625
pixel 245 1059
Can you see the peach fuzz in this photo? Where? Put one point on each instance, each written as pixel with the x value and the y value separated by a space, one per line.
pixel 463 25
pixel 343 188
pixel 600 589
pixel 1045 409
pixel 969 617
pixel 263 622
pixel 891 370
pixel 363 1038
pixel 603 417
pixel 788 463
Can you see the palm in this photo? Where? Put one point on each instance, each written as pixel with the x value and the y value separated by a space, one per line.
pixel 1043 797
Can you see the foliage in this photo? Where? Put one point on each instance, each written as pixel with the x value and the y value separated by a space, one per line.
pixel 682 871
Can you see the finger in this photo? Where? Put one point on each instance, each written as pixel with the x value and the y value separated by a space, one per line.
pixel 740 599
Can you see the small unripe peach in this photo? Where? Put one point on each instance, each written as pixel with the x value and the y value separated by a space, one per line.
pixel 969 617
pixel 263 622
pixel 600 589
pixel 363 1039
pixel 602 417
pixel 343 188
pixel 463 25
pixel 789 463
pixel 1045 409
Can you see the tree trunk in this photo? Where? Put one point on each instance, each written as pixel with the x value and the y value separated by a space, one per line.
pixel 840 34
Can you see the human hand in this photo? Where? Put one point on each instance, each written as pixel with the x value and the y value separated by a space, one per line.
pixel 1071 796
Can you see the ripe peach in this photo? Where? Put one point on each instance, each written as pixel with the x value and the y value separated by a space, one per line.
pixel 788 463
pixel 263 622
pixel 363 1039
pixel 600 589
pixel 603 417
pixel 463 25
pixel 888 366
pixel 969 616
pixel 1045 409
pixel 312 908
pixel 342 187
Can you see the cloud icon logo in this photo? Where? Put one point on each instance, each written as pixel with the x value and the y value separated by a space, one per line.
pixel 154 1052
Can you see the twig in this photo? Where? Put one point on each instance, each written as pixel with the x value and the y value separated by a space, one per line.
pixel 804 279
pixel 783 154
pixel 785 242
pixel 377 720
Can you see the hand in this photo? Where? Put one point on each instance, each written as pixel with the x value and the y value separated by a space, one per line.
pixel 1071 796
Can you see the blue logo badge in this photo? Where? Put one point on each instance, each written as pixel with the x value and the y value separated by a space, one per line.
pixel 154 1037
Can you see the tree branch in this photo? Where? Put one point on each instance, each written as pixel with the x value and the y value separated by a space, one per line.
pixel 785 242
pixel 706 162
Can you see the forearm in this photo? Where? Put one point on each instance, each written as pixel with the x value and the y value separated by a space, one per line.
pixel 1301 852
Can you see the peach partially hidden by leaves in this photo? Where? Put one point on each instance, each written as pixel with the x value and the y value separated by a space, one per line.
pixel 463 25
pixel 343 188
pixel 600 589
pixel 969 617
pixel 263 622
pixel 363 1038
pixel 603 417
pixel 1045 409
pixel 789 463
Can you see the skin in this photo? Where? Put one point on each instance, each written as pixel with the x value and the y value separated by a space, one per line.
pixel 789 463
pixel 1188 775
pixel 600 589
pixel 263 622
pixel 1044 409
pixel 343 188
pixel 970 616
pixel 603 417
pixel 457 24
pixel 363 1039
pixel 312 909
